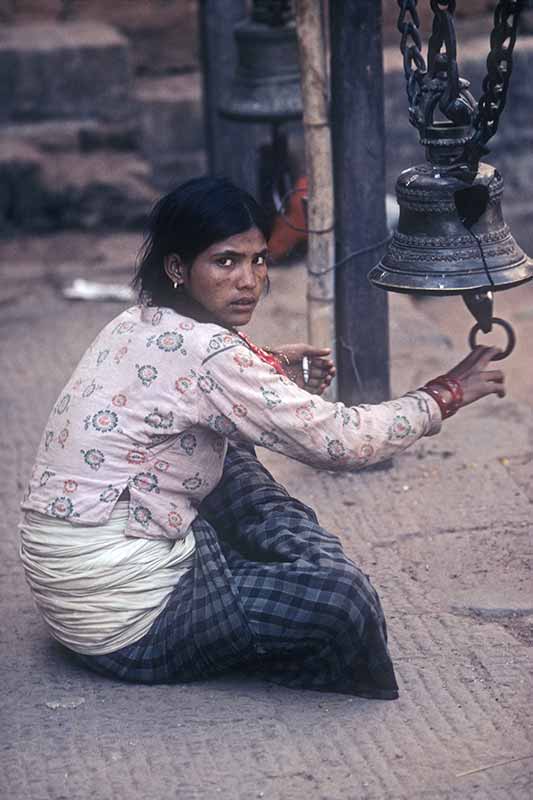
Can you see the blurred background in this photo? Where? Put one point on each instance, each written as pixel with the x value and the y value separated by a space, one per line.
pixel 101 109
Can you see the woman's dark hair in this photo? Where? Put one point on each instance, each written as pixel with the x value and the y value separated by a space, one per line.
pixel 187 221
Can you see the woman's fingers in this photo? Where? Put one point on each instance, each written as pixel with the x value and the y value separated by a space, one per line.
pixel 316 352
pixel 477 359
pixel 322 369
pixel 493 376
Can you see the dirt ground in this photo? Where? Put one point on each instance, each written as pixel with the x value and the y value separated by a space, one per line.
pixel 446 536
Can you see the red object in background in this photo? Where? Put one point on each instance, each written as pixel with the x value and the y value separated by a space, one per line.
pixel 290 226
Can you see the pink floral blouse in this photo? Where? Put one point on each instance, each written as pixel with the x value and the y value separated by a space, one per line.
pixel 152 404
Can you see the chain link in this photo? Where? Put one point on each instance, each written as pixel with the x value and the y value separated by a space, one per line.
pixel 499 69
pixel 419 76
pixel 443 33
pixel 414 65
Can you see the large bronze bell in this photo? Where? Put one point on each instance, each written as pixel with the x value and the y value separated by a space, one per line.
pixel 266 87
pixel 451 236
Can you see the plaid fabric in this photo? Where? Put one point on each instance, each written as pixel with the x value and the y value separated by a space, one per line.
pixel 271 593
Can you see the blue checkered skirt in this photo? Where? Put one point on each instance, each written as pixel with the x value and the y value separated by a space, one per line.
pixel 270 593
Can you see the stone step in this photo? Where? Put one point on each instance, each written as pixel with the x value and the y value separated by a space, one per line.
pixel 85 135
pixel 98 190
pixel 170 126
pixel 64 70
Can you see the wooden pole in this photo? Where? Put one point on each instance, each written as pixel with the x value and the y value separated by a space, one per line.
pixel 358 134
pixel 319 167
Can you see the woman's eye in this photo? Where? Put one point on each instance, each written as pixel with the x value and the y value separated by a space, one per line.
pixel 260 260
pixel 225 262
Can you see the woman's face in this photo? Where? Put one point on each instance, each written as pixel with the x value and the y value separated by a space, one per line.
pixel 228 278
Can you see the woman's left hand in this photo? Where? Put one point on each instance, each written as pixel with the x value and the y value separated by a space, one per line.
pixel 320 369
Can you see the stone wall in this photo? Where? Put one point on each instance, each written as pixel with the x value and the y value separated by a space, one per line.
pixel 164 32
pixel 96 119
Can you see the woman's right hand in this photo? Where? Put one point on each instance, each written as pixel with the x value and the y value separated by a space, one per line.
pixel 476 380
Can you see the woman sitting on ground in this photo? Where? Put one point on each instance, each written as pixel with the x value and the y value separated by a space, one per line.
pixel 156 545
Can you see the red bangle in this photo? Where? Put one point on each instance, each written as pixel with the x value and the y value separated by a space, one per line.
pixel 448 407
pixel 454 387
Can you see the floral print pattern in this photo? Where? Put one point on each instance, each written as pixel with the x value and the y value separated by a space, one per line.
pixel 63 435
pixel 121 353
pixel 336 449
pixel 239 410
pixel 91 388
pixel 221 341
pixel 103 421
pixel 147 374
pixel 45 476
pixel 271 397
pixel 365 453
pixel 221 424
pixel 188 442
pixel 169 342
pixel 306 413
pixel 101 357
pixel 400 428
pixel 168 446
pixel 192 484
pixel 136 457
pixel 206 383
pixel 110 494
pixel 63 404
pixel 93 458
pixel 146 482
pixel 142 515
pixel 174 518
pixel 243 360
pixel 61 507
pixel 183 384
pixel 159 419
pixel 124 327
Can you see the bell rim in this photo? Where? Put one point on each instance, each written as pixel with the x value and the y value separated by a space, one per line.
pixel 385 278
pixel 254 115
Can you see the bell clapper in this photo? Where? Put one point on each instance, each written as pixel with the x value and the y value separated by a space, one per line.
pixel 481 306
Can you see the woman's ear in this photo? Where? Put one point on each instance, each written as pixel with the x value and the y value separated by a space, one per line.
pixel 174 269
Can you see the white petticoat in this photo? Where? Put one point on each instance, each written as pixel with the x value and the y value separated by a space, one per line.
pixel 97 589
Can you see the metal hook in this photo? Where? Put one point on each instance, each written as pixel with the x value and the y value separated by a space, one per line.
pixel 511 337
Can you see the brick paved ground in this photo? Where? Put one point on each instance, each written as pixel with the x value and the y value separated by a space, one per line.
pixel 445 535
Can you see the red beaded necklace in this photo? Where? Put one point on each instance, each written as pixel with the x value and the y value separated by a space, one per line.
pixel 269 358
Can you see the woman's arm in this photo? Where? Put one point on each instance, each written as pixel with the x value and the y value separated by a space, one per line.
pixel 242 397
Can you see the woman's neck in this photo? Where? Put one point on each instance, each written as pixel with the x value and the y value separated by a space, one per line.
pixel 190 308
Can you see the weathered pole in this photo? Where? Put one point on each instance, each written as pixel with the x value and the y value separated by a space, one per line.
pixel 318 159
pixel 232 147
pixel 358 133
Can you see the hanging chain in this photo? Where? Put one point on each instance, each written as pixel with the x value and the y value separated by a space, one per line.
pixel 419 77
pixel 414 66
pixel 499 68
